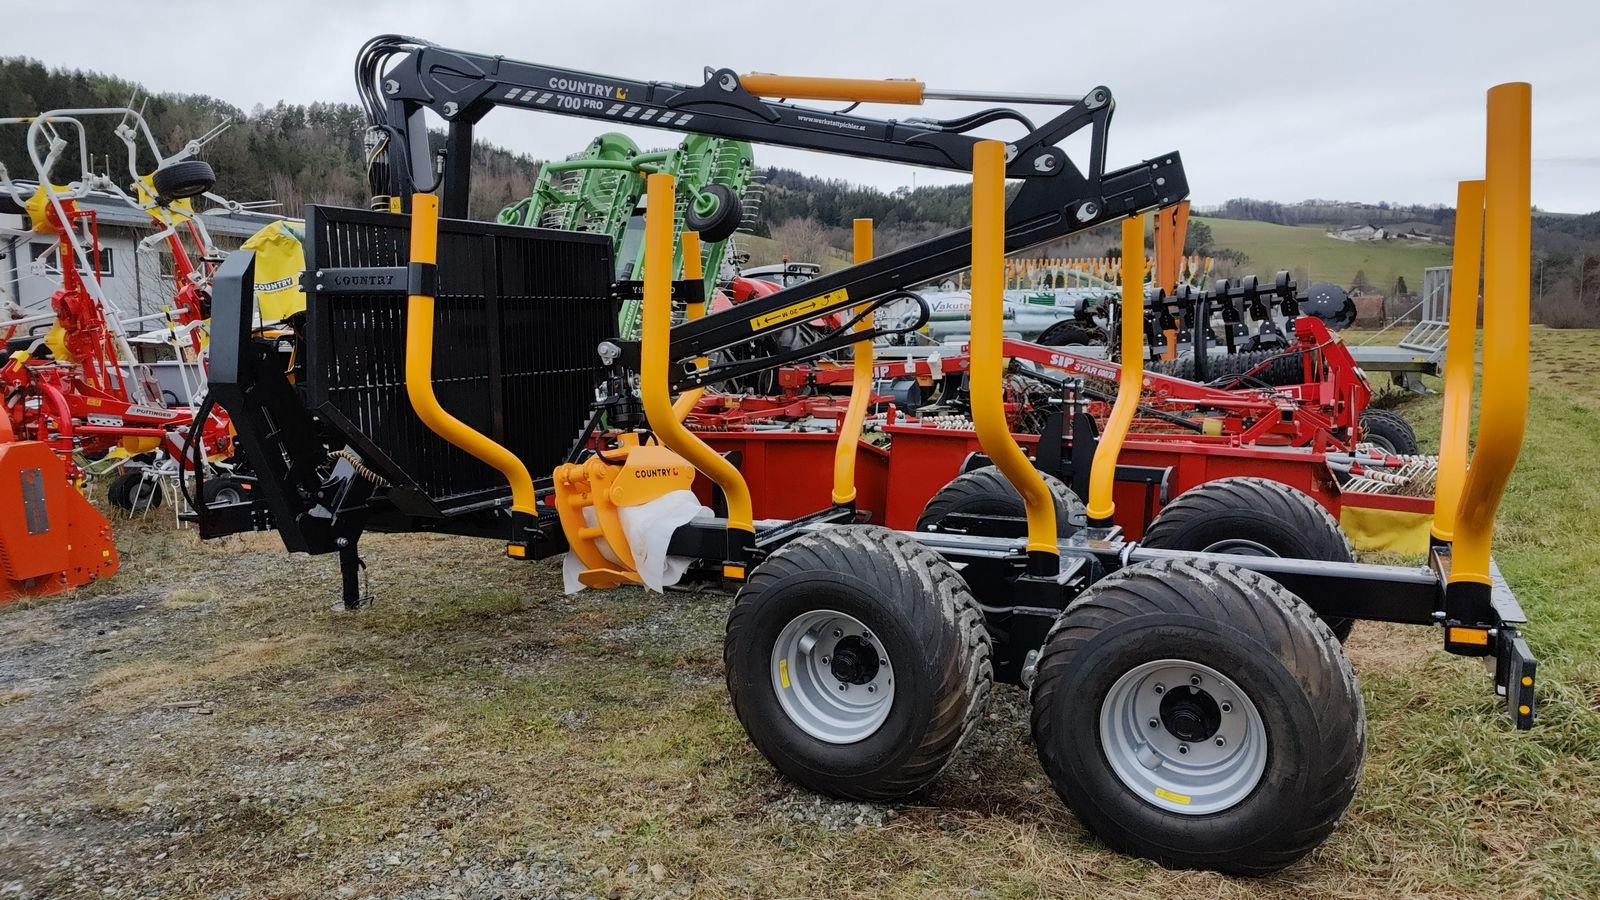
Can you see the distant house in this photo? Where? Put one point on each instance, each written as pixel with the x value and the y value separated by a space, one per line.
pixel 1367 232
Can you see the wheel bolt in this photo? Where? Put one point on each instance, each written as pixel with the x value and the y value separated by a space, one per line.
pixel 872 689
pixel 1161 688
pixel 1183 749
pixel 866 635
pixel 826 660
pixel 883 661
pixel 844 687
pixel 1227 707
pixel 1194 680
pixel 1221 741
pixel 1155 722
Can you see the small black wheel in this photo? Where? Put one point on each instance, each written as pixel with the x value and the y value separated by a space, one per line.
pixel 1253 517
pixel 223 490
pixel 130 490
pixel 1068 334
pixel 1199 715
pixel 144 494
pixel 118 493
pixel 858 662
pixel 182 180
pixel 987 492
pixel 716 218
pixel 1388 430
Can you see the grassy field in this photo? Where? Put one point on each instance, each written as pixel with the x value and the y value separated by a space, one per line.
pixel 1308 250
pixel 201 725
pixel 765 251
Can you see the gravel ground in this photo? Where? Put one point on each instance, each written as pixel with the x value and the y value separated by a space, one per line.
pixel 205 735
pixel 202 725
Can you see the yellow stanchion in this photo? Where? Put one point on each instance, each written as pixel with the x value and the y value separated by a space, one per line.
pixel 419 367
pixel 988 406
pixel 1456 429
pixel 844 453
pixel 655 359
pixel 692 271
pixel 1507 247
pixel 1102 475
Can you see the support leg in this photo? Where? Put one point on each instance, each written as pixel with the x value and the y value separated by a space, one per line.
pixel 350 571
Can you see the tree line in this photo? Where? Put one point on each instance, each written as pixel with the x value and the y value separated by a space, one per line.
pixel 301 154
pixel 290 153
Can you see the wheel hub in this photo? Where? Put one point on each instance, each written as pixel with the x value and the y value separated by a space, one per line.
pixel 1190 714
pixel 854 661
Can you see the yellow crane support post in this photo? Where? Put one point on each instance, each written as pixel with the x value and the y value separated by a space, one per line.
pixel 692 271
pixel 423 275
pixel 844 453
pixel 1460 344
pixel 988 402
pixel 655 354
pixel 1103 471
pixel 1503 409
pixel 1172 227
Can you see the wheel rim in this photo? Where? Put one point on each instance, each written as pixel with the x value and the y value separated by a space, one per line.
pixel 227 496
pixel 1382 443
pixel 833 678
pixel 1183 737
pixel 1240 547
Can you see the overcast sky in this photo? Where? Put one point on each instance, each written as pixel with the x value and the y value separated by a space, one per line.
pixel 1339 99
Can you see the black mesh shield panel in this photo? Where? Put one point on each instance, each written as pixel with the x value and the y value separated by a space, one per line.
pixel 519 314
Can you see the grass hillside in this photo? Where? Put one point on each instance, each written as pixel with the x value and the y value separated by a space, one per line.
pixel 765 251
pixel 1307 251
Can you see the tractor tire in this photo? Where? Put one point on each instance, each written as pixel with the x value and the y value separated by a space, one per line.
pixel 1069 334
pixel 1252 517
pixel 1199 715
pixel 858 662
pixel 182 180
pixel 1389 431
pixel 721 222
pixel 987 492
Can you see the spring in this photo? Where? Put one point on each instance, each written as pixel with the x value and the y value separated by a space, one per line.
pixel 361 468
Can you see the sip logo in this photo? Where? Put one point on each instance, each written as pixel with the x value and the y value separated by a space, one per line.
pixel 1073 364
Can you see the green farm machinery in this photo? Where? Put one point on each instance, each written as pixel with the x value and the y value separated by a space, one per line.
pixel 599 191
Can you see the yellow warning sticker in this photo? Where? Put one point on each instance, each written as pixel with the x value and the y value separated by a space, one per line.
pixel 783 673
pixel 803 309
pixel 1165 794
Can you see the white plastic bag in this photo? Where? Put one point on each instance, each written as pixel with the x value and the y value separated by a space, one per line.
pixel 649 528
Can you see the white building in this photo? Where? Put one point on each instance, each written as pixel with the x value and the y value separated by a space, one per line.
pixel 135 281
pixel 1359 233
